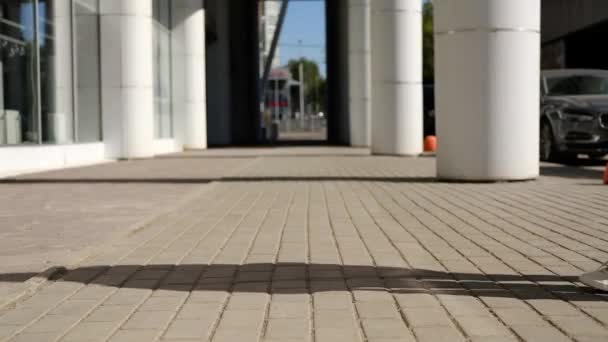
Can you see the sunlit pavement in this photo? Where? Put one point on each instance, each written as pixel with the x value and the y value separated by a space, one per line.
pixel 300 244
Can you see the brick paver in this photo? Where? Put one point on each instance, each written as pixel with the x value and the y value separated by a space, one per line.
pixel 58 218
pixel 334 245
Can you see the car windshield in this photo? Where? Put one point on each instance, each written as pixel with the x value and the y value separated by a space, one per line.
pixel 577 85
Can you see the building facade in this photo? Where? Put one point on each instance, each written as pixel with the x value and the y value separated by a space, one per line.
pixel 573 32
pixel 88 80
pixel 269 20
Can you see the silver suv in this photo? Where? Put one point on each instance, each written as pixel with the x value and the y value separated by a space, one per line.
pixel 574 114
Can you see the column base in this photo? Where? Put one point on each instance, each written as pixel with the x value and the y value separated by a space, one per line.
pixel 396 154
pixel 195 148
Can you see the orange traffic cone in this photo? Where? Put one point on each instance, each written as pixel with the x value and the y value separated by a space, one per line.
pixel 430 144
pixel 606 175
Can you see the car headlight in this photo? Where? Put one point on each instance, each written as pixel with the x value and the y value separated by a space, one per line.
pixel 577 117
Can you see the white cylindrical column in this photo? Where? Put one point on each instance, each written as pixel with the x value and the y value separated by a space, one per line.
pixel 397 122
pixel 487 89
pixel 127 78
pixel 59 114
pixel 359 63
pixel 189 74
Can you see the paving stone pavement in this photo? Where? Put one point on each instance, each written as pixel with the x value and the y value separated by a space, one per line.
pixel 334 245
pixel 53 218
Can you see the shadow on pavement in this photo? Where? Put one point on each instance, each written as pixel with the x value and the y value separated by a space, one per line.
pixel 292 278
pixel 570 172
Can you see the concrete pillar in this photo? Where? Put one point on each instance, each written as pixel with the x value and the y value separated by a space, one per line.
pixel 88 106
pixel 359 63
pixel 189 74
pixel 127 78
pixel 397 123
pixel 60 113
pixel 487 89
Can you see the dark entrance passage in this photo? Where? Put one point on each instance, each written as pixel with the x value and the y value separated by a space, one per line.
pixel 584 49
pixel 338 125
pixel 294 64
pixel 232 72
pixel 234 94
pixel 573 34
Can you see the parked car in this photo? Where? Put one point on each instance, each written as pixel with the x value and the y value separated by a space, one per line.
pixel 574 114
pixel 429 110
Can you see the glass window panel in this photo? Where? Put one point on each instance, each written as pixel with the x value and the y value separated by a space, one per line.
pixel 18 106
pixel 56 66
pixel 86 22
pixel 162 69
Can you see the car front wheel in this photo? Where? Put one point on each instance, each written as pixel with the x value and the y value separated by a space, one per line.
pixel 547 142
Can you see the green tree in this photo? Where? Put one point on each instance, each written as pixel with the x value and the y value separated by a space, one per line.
pixel 428 43
pixel 314 83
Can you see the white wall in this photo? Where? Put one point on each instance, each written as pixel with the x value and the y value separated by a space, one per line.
pixel 22 159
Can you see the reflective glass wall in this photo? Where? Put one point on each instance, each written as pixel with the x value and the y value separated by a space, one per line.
pixel 49 68
pixel 19 120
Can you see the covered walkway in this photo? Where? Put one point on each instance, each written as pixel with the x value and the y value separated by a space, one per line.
pixel 299 244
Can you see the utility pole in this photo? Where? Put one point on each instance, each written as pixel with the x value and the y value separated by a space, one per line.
pixel 276 99
pixel 302 92
pixel 316 85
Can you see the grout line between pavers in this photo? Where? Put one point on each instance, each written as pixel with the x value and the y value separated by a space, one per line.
pixel 481 271
pixel 573 205
pixel 308 278
pixel 226 241
pixel 547 218
pixel 584 313
pixel 42 278
pixel 574 192
pixel 185 299
pixel 69 295
pixel 276 257
pixel 378 276
pixel 248 250
pixel 431 292
pixel 355 311
pixel 563 221
pixel 189 227
pixel 162 331
pixel 510 234
pixel 461 254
